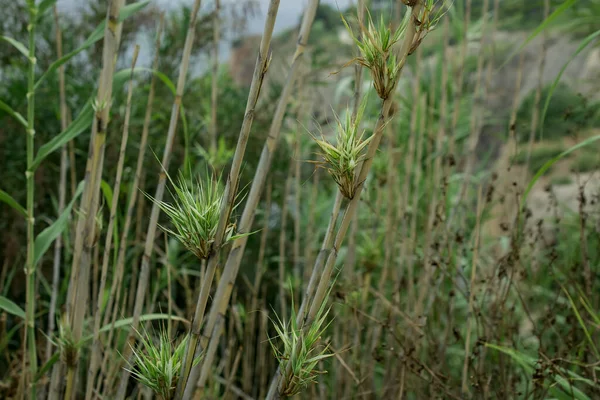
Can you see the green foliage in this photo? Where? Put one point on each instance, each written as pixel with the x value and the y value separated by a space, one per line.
pixel 10 307
pixel 568 112
pixel 586 162
pixel 539 156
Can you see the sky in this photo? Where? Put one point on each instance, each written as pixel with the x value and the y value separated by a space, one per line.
pixel 288 15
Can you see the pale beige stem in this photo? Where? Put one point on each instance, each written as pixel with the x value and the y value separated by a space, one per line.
pixel 158 196
pixel 229 195
pixel 85 239
pixel 230 271
pixel 472 288
pixel 96 346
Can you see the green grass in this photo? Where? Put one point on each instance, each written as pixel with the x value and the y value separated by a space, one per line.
pixel 538 157
pixel 586 162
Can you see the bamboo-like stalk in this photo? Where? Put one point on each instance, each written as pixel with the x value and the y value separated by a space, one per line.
pixel 297 198
pixel 470 316
pixel 119 267
pixel 29 341
pixel 420 136
pixel 411 37
pixel 351 254
pixel 282 253
pixel 96 346
pixel 230 271
pixel 62 186
pixel 215 77
pixel 86 225
pixel 210 353
pixel 408 166
pixel 113 303
pixel 249 369
pixel 160 190
pixel 229 194
pixel 310 227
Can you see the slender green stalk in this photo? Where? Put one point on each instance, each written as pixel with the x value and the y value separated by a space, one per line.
pixel 55 378
pixel 29 342
pixel 96 346
pixel 228 202
pixel 158 196
pixel 62 187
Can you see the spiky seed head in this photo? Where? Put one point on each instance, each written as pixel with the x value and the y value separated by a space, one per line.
pixel 67 346
pixel 343 158
pixel 377 40
pixel 157 363
pixel 195 214
pixel 302 350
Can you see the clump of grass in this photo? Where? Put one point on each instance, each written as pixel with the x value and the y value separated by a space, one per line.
pixel 538 158
pixel 561 180
pixel 157 363
pixel 342 158
pixel 302 350
pixel 195 214
pixel 586 162
pixel 216 157
pixel 370 251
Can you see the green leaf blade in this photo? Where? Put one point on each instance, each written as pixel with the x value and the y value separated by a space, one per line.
pixel 16 44
pixel 8 199
pixel 49 235
pixel 10 307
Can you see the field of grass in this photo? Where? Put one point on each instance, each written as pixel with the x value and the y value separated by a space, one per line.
pixel 382 212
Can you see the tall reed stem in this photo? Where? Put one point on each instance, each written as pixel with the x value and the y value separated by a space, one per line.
pixel 29 341
pixel 229 195
pixel 230 271
pixel 96 350
pixel 86 225
pixel 62 187
pixel 158 196
pixel 279 382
